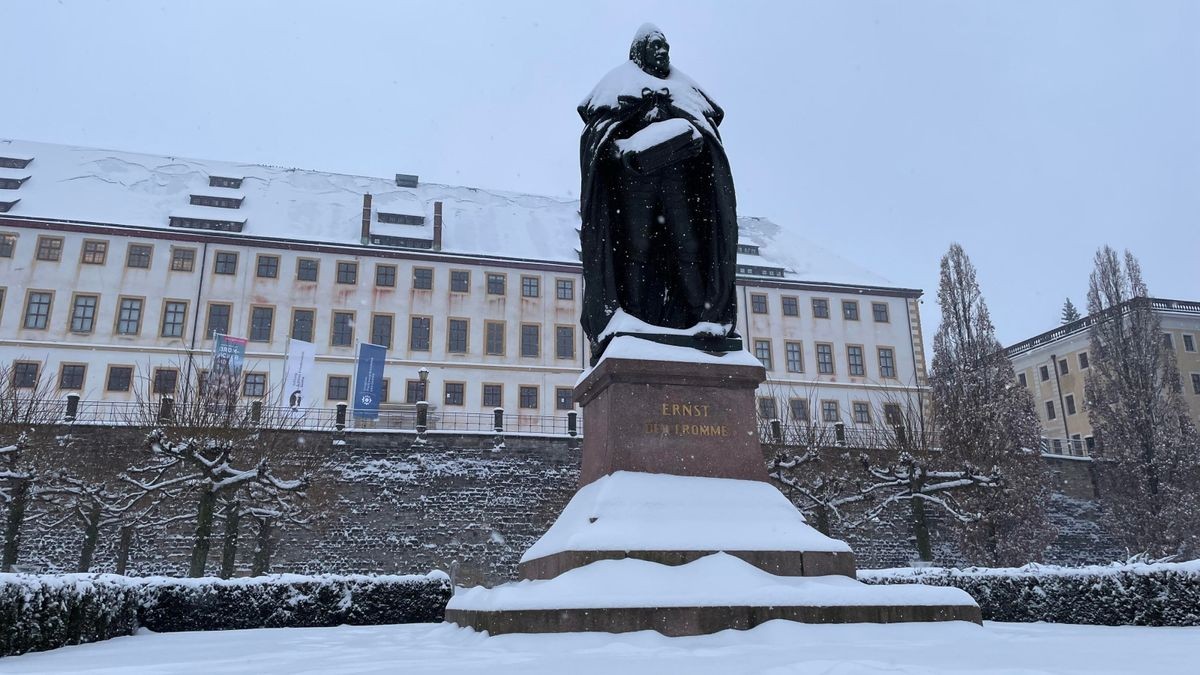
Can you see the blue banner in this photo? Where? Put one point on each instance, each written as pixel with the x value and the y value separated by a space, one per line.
pixel 368 381
pixel 225 371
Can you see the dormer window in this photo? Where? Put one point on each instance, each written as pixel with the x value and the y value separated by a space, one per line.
pixel 12 183
pixel 219 202
pixel 760 271
pixel 748 249
pixel 401 242
pixel 5 207
pixel 224 182
pixel 207 224
pixel 14 162
pixel 400 219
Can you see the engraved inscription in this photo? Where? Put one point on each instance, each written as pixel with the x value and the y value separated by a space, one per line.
pixel 682 421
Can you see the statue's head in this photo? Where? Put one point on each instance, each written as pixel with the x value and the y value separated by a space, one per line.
pixel 650 51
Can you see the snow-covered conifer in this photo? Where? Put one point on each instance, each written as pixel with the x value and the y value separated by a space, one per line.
pixel 1069 313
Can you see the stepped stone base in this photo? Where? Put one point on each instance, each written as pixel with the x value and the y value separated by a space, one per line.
pixel 782 563
pixel 681 621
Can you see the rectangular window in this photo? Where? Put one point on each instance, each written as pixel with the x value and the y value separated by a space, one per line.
pixel 1022 380
pixel 495 338
pixel 493 396
pixel 218 318
pixel 225 262
pixel 1069 402
pixel 423 278
pixel 37 310
pixel 1189 343
pixel 255 384
pixel 768 409
pixel 173 319
pixel 418 334
pixel 850 310
pixel 531 287
pixel 460 281
pixel 530 340
pixel 892 415
pixel 793 353
pixel 7 244
pixel 564 398
pixel 341 334
pixel 824 358
pixel 798 409
pixel 829 412
pixel 267 267
pixel 337 388
pixel 820 308
pixel 758 303
pixel 879 310
pixel 137 256
pixel 762 352
pixel 496 284
pixel 1083 360
pixel 414 391
pixel 528 396
pixel 1063 368
pixel 120 378
pixel 94 252
pixel 1196 383
pixel 25 374
pixel 262 320
pixel 564 342
pixel 854 356
pixel 83 313
pixel 564 289
pixel 791 305
pixel 455 393
pixel 71 375
pixel 183 259
pixel 1168 341
pixel 1049 410
pixel 307 269
pixel 385 276
pixel 887 362
pixel 1044 372
pixel 456 336
pixel 347 272
pixel 129 316
pixel 302 324
pixel 862 412
pixel 49 248
pixel 381 330
pixel 165 380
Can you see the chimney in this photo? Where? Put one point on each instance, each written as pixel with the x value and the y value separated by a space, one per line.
pixel 437 226
pixel 366 220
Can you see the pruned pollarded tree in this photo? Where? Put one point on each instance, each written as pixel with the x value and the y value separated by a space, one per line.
pixel 985 419
pixel 1149 463
pixel 26 409
pixel 97 506
pixel 270 508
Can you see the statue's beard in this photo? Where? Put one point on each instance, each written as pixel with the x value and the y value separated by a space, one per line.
pixel 656 70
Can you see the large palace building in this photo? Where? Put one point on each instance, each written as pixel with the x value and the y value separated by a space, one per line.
pixel 118 269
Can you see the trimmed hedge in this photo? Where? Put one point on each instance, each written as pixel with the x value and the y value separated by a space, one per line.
pixel 1158 594
pixel 39 612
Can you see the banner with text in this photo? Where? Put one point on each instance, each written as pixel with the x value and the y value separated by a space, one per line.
pixel 297 370
pixel 225 371
pixel 368 381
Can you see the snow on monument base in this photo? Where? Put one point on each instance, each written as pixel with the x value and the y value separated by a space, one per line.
pixel 675 527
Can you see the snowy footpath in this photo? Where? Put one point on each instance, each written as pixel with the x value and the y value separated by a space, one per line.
pixel 775 647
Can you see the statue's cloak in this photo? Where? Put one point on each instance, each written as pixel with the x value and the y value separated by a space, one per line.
pixel 616 109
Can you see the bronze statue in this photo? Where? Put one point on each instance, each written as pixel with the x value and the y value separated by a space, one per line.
pixel 659 234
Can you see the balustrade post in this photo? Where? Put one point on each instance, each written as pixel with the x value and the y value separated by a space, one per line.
pixel 498 427
pixel 839 432
pixel 776 432
pixel 166 409
pixel 339 422
pixel 72 408
pixel 422 420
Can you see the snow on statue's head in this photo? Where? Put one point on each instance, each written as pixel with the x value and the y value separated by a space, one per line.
pixel 650 51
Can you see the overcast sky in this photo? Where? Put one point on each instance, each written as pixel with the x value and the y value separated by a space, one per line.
pixel 1030 132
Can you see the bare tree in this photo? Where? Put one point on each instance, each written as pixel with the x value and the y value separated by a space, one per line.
pixel 1149 464
pixel 985 419
pixel 26 407
pixel 96 506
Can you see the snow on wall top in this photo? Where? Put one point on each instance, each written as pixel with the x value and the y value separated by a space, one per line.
pixel 123 188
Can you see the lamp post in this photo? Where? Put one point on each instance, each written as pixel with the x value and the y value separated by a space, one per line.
pixel 423 405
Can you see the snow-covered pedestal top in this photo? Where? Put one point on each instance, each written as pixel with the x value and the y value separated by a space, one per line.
pixel 631 511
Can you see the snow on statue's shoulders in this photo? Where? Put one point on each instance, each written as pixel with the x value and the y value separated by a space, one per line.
pixel 657 133
pixel 628 79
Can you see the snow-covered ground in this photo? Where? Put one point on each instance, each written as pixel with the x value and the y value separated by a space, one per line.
pixel 775 647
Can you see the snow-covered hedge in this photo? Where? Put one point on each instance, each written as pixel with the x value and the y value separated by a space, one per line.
pixel 46 611
pixel 1140 594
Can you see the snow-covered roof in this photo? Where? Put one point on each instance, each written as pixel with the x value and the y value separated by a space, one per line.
pixel 123 188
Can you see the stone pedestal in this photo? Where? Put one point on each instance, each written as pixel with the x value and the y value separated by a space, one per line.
pixel 686 419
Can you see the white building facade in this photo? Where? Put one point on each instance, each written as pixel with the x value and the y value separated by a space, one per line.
pixel 117 269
